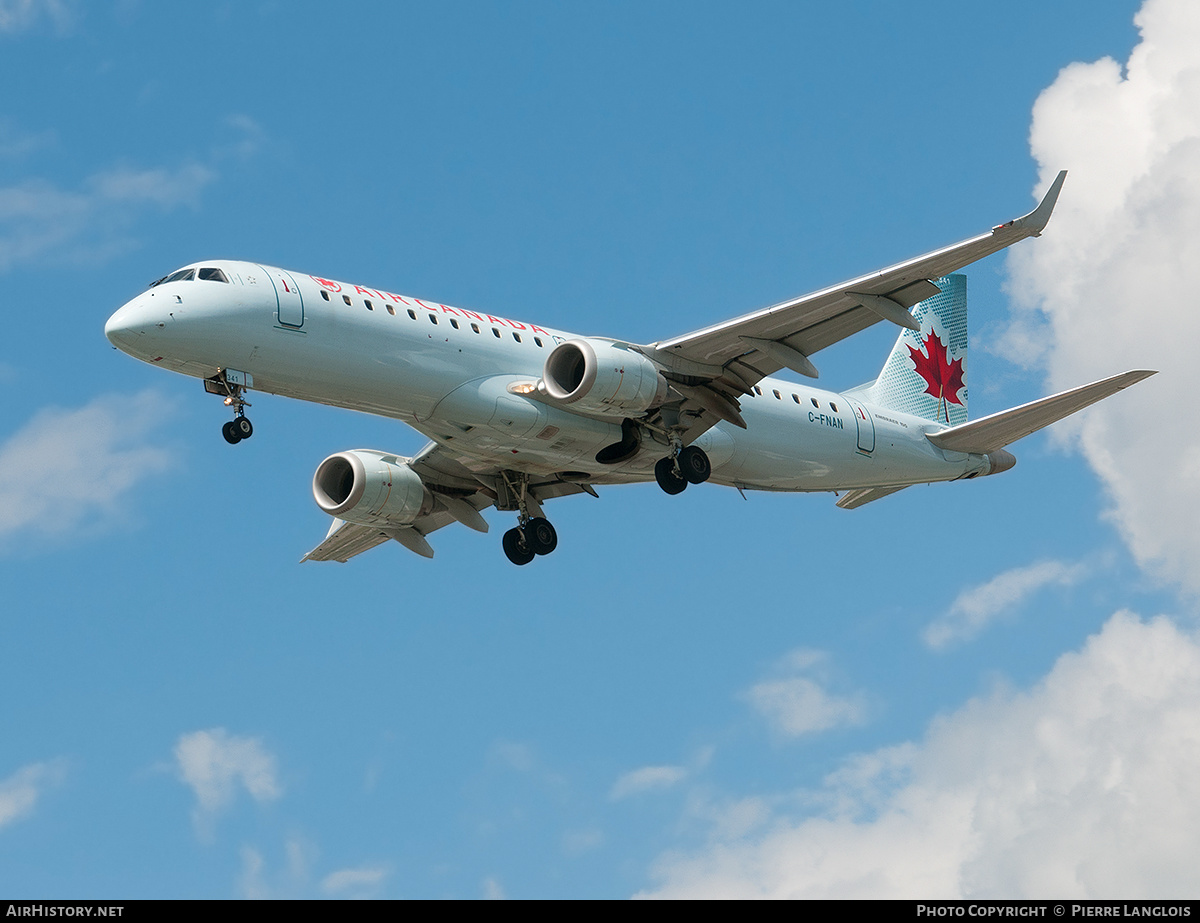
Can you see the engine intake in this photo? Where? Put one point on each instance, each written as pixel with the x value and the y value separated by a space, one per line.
pixel 603 377
pixel 370 488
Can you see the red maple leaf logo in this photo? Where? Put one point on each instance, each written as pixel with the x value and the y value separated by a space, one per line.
pixel 943 377
pixel 332 286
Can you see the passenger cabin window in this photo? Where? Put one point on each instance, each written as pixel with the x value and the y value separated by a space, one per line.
pixel 496 332
pixel 758 390
pixel 516 336
pixel 367 302
pixel 453 323
pixel 537 340
pixel 433 318
pixel 834 406
pixel 815 402
pixel 778 396
pixel 212 274
pixel 412 313
pixel 325 294
pixel 346 298
pixel 475 327
pixel 390 310
pixel 796 398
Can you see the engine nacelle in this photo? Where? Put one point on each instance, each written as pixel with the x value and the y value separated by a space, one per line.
pixel 370 488
pixel 603 377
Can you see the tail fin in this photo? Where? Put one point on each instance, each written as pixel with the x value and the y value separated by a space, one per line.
pixel 926 373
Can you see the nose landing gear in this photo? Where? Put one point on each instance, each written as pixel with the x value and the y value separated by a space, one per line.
pixel 231 385
pixel 237 429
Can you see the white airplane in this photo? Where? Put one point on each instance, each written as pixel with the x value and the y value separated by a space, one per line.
pixel 519 414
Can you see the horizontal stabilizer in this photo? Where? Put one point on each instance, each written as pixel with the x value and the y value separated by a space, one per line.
pixel 997 430
pixel 853 499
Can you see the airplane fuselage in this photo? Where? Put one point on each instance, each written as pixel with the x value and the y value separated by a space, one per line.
pixel 467 380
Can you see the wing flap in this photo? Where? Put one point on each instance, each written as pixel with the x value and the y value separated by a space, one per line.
pixel 997 430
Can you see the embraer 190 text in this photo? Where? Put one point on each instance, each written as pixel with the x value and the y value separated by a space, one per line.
pixel 519 414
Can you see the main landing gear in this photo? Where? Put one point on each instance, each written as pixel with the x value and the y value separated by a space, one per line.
pixel 529 539
pixel 685 465
pixel 534 535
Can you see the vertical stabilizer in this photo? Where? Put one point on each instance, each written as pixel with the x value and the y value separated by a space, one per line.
pixel 926 373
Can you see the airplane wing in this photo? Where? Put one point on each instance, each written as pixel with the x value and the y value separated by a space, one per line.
pixel 853 499
pixel 344 541
pixel 728 359
pixel 460 494
pixel 997 430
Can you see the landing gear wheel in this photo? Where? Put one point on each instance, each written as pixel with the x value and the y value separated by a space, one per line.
pixel 668 480
pixel 516 547
pixel 232 436
pixel 541 536
pixel 694 465
pixel 242 427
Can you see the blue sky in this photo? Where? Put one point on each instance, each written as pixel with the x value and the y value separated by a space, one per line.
pixel 693 695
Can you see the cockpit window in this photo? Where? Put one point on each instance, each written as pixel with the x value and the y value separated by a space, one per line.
pixel 179 275
pixel 212 274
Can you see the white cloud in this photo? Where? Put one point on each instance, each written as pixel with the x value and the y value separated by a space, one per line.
pixel 578 842
pixel 651 778
pixel 291 882
pixel 40 219
pixel 215 765
pixel 492 889
pixel 646 779
pixel 976 607
pixel 1084 786
pixel 252 884
pixel 362 882
pixel 16 15
pixel 71 469
pixel 293 878
pixel 17 144
pixel 516 756
pixel 19 793
pixel 796 705
pixel 1112 284
pixel 164 188
pixel 250 137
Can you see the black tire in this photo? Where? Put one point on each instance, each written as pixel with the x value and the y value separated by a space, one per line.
pixel 694 464
pixel 668 480
pixel 243 428
pixel 516 548
pixel 231 435
pixel 541 536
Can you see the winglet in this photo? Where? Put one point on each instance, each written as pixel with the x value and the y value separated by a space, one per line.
pixel 1037 219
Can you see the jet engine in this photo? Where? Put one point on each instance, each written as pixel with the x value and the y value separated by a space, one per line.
pixel 370 488
pixel 603 377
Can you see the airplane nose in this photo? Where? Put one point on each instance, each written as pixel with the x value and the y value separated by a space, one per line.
pixel 131 325
pixel 122 329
